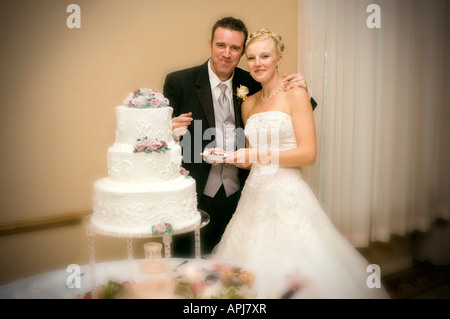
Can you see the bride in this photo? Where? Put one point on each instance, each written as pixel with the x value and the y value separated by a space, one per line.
pixel 279 228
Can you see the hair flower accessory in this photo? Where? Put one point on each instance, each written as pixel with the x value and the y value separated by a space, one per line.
pixel 242 92
pixel 145 98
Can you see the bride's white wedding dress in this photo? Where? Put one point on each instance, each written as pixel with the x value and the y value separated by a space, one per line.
pixel 279 229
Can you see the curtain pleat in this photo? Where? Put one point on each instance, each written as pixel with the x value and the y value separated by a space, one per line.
pixel 382 117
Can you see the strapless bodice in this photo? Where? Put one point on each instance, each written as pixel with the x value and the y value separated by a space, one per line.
pixel 271 130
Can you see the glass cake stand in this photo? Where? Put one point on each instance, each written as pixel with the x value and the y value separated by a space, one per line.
pixel 93 231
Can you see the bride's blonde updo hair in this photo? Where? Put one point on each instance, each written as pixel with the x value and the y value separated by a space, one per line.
pixel 263 34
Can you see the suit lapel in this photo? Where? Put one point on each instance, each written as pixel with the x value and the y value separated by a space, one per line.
pixel 237 102
pixel 205 96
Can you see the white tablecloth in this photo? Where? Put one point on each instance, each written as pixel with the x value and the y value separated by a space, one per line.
pixel 53 285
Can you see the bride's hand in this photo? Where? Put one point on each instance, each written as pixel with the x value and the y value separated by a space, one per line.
pixel 208 151
pixel 243 158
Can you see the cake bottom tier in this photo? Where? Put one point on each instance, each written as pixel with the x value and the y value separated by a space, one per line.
pixel 135 208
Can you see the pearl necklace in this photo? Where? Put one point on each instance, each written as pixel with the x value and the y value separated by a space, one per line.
pixel 265 100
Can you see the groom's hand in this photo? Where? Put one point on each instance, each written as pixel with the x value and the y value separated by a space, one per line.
pixel 294 80
pixel 181 123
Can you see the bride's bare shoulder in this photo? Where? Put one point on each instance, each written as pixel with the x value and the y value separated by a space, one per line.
pixel 298 98
pixel 297 93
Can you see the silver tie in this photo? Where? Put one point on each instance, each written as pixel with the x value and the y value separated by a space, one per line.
pixel 224 103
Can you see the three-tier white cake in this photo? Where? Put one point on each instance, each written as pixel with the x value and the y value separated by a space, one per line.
pixel 147 185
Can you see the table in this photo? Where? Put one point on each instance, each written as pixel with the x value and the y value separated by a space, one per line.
pixel 93 231
pixel 59 284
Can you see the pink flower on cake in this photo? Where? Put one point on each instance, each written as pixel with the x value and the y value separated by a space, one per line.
pixel 148 145
pixel 153 145
pixel 164 144
pixel 145 98
pixel 163 228
pixel 140 100
pixel 140 146
pixel 146 91
pixel 184 172
pixel 159 96
pixel 155 102
pixel 128 99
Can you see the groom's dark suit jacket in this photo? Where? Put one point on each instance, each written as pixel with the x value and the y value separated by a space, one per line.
pixel 189 90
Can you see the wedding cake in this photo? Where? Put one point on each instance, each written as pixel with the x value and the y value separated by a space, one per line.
pixel 146 185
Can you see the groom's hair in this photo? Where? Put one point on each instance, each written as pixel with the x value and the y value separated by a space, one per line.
pixel 231 24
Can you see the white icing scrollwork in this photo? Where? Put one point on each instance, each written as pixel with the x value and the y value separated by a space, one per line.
pixel 143 128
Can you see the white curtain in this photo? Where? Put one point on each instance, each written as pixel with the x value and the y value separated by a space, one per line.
pixel 383 114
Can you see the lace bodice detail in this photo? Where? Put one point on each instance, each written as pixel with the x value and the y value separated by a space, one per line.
pixel 271 130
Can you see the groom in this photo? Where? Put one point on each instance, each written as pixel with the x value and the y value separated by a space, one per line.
pixel 195 95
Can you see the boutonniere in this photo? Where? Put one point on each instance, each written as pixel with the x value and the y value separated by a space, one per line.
pixel 241 92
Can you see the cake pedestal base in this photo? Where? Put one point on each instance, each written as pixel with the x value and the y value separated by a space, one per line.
pixel 92 231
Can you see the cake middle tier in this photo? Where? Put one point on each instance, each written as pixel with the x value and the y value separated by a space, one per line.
pixel 126 166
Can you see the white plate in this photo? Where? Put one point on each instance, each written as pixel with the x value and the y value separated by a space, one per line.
pixel 214 157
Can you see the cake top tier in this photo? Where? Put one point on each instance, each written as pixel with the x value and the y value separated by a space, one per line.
pixel 145 98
